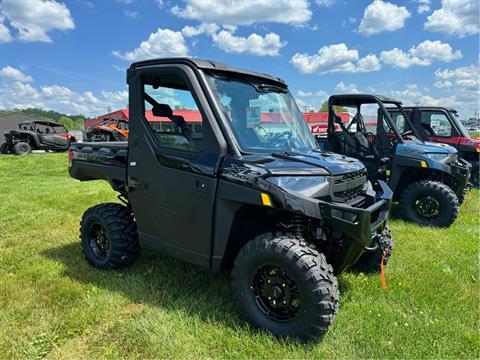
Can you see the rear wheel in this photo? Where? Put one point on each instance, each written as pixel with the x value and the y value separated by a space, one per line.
pixel 371 261
pixel 108 234
pixel 22 148
pixel 282 285
pixel 430 203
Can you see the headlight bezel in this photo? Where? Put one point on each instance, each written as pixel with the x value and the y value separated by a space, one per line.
pixel 305 185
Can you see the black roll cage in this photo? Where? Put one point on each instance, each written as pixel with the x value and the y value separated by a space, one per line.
pixel 356 100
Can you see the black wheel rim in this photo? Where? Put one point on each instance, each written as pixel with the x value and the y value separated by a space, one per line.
pixel 427 207
pixel 98 240
pixel 276 293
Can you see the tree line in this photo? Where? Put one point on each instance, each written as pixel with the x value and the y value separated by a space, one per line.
pixel 71 122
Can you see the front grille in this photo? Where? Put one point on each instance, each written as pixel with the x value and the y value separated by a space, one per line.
pixel 341 179
pixel 350 187
pixel 349 195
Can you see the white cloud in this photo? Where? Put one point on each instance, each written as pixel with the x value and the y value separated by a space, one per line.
pixel 119 96
pixel 382 16
pixel 4 32
pixel 304 106
pixel 347 88
pixel 442 84
pixel 14 74
pixel 204 28
pixel 335 58
pixel 132 14
pixel 254 44
pixel 423 6
pixel 163 43
pixel 456 17
pixel 464 100
pixel 241 12
pixel 325 2
pixel 35 18
pixel 319 93
pixel 423 54
pixel 465 77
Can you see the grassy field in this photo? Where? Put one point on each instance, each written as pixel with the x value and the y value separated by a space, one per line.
pixel 53 304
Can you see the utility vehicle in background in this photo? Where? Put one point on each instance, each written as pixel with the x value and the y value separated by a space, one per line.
pixel 427 179
pixel 442 125
pixel 108 130
pixel 246 188
pixel 36 135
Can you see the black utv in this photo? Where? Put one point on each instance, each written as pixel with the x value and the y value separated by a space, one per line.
pixel 427 179
pixel 247 189
pixel 36 135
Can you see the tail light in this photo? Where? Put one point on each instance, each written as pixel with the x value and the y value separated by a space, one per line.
pixel 66 136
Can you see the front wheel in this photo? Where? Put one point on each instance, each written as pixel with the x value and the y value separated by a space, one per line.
pixel 475 176
pixel 108 234
pixel 429 203
pixel 22 148
pixel 371 260
pixel 282 285
pixel 4 148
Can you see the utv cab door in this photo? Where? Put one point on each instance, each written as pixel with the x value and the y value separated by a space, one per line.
pixel 437 126
pixel 174 154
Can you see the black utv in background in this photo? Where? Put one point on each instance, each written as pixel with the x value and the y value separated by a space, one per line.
pixel 247 189
pixel 36 135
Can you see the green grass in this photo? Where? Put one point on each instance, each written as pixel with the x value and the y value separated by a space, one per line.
pixel 53 304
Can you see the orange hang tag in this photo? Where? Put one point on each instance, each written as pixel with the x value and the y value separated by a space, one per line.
pixel 382 271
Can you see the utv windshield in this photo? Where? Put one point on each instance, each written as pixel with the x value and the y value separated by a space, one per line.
pixel 263 117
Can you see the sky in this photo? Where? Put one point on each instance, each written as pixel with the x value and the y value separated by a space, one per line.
pixel 71 56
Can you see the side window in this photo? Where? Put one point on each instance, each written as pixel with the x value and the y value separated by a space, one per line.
pixel 400 121
pixel 436 123
pixel 173 114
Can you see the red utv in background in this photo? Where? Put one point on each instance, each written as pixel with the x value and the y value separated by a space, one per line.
pixel 441 124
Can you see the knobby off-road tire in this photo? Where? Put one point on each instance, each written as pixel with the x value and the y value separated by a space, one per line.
pixel 108 234
pixel 371 261
pixel 427 191
pixel 285 263
pixel 475 176
pixel 22 148
pixel 3 148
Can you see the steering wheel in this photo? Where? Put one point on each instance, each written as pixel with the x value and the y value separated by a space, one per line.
pixel 278 136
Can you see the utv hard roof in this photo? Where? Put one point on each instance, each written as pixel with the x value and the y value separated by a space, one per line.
pixel 431 108
pixel 358 99
pixel 41 122
pixel 205 65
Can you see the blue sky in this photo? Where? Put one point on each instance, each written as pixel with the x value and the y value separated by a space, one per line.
pixel 71 56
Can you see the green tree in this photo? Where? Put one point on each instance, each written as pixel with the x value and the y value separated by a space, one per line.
pixel 337 109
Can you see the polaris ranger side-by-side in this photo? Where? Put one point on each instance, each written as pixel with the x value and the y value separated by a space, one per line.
pixel 246 188
pixel 427 179
pixel 442 125
pixel 36 135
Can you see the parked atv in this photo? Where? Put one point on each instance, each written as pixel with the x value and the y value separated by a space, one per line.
pixel 427 179
pixel 108 130
pixel 442 125
pixel 246 188
pixel 36 135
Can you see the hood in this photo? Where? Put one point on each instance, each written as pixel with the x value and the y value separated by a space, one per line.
pixel 470 142
pixel 412 149
pixel 312 163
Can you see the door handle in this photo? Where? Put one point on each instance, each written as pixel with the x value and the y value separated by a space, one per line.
pixel 200 185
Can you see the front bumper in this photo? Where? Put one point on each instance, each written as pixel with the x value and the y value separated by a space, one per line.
pixel 360 227
pixel 357 227
pixel 461 172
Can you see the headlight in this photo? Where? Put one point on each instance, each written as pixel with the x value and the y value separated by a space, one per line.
pixel 442 157
pixel 310 186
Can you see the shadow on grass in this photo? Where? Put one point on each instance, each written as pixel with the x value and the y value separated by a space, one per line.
pixel 162 282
